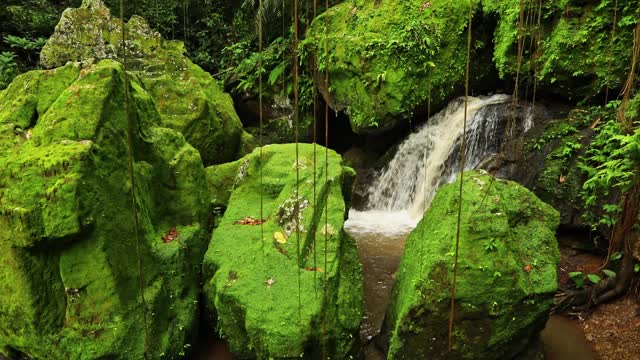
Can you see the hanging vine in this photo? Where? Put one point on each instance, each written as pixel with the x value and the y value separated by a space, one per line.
pixel 296 117
pixel 611 47
pixel 132 179
pixel 463 150
pixel 315 143
pixel 627 91
pixel 326 182
pixel 261 117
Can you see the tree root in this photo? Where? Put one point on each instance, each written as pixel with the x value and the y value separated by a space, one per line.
pixel 606 290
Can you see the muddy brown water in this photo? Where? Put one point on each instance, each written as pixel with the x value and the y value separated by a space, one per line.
pixel 381 237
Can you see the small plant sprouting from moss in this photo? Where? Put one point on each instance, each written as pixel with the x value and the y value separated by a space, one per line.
pixel 490 245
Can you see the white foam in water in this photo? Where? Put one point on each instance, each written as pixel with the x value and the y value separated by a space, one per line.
pixel 380 222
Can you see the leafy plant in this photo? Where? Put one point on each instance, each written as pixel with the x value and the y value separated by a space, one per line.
pixel 611 162
pixel 578 278
pixel 490 245
pixel 8 68
pixel 25 43
pixel 616 256
pixel 553 132
pixel 594 278
pixel 568 149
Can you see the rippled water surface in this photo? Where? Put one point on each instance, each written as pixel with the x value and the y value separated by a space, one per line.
pixel 380 236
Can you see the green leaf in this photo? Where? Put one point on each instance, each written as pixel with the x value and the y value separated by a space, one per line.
pixel 578 278
pixel 576 274
pixel 609 273
pixel 594 278
pixel 616 255
pixel 276 73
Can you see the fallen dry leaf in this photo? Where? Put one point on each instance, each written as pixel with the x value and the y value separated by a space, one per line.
pixel 171 235
pixel 562 179
pixel 528 268
pixel 249 220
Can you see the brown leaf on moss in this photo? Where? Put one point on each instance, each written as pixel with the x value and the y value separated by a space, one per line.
pixel 317 269
pixel 528 268
pixel 171 235
pixel 249 220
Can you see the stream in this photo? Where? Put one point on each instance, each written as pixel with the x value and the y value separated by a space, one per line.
pixel 381 237
pixel 401 193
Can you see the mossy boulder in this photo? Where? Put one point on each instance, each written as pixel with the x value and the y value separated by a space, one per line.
pixel 573 48
pixel 506 274
pixel 70 254
pixel 188 98
pixel 272 293
pixel 390 59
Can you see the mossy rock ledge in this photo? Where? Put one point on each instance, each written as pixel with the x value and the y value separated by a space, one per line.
pixel 506 274
pixel 269 296
pixel 68 247
pixel 187 97
pixel 390 59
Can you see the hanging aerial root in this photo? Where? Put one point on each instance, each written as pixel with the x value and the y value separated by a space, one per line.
pixel 132 179
pixel 463 150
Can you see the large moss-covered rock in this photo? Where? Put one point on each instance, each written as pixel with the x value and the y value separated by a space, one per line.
pixel 576 49
pixel 188 98
pixel 389 59
pixel 506 274
pixel 69 251
pixel 272 292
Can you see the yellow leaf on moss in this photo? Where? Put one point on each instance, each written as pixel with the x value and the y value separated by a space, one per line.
pixel 279 237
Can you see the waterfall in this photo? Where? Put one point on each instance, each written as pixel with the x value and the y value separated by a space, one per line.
pixel 430 157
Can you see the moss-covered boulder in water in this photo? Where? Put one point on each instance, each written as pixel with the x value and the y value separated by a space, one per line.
pixel 188 98
pixel 69 270
pixel 389 59
pixel 506 274
pixel 268 293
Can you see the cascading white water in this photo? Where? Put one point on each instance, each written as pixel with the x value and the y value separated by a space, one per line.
pixel 429 157
pixel 426 160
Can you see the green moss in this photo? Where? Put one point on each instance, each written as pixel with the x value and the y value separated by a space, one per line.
pixel 575 55
pixel 504 229
pixel 560 182
pixel 267 320
pixel 188 98
pixel 222 179
pixel 67 239
pixel 389 58
pixel 283 130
